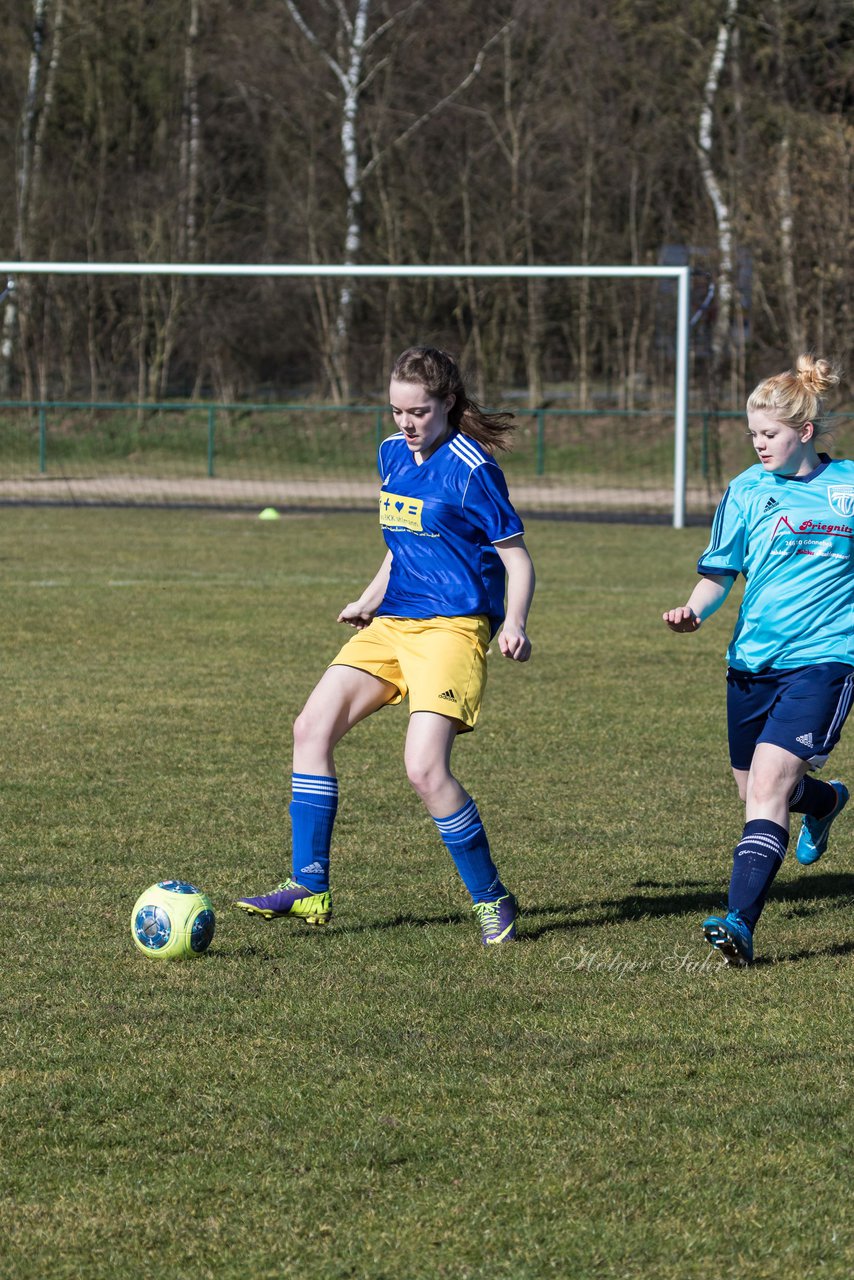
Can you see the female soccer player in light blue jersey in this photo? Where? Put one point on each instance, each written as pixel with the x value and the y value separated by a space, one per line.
pixel 423 625
pixel 786 524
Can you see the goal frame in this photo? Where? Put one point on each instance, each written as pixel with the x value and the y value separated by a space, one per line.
pixel 681 274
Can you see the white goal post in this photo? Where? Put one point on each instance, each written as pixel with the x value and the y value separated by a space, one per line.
pixel 682 275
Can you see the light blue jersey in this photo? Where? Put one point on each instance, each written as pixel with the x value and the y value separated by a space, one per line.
pixel 440 519
pixel 793 539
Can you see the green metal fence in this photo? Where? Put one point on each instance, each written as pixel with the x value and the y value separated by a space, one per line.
pixel 243 456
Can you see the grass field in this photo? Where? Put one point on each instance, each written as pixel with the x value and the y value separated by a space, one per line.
pixel 386 1099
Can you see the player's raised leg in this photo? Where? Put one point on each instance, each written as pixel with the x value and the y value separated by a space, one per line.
pixel 821 804
pixel 342 697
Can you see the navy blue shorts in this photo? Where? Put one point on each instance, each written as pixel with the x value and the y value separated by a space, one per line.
pixel 802 711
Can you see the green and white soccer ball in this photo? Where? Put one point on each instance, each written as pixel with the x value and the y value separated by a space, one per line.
pixel 172 920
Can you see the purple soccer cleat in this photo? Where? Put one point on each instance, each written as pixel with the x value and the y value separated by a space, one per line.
pixel 497 920
pixel 290 899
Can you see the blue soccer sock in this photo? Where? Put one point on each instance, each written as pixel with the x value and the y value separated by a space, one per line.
pixel 312 809
pixel 813 797
pixel 466 842
pixel 757 859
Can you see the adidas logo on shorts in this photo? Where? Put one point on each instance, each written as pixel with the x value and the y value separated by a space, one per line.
pixel 448 696
pixel 805 740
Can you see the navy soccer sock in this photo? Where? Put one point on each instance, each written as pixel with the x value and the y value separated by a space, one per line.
pixel 813 797
pixel 466 842
pixel 312 809
pixel 757 859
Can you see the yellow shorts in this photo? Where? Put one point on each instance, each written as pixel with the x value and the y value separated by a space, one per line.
pixel 439 662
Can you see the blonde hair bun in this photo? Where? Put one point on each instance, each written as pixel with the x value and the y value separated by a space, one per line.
pixel 797 396
pixel 817 375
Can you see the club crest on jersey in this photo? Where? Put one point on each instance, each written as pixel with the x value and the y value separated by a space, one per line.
pixel 841 498
pixel 400 513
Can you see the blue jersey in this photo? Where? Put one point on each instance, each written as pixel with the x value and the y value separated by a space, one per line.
pixel 440 520
pixel 793 539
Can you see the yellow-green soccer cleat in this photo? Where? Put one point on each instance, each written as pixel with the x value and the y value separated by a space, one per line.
pixel 290 899
pixel 497 920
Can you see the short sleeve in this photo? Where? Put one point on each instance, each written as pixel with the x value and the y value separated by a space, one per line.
pixel 727 547
pixel 487 504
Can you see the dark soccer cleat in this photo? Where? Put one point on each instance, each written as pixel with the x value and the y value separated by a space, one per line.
pixel 732 937
pixel 812 841
pixel 290 899
pixel 497 920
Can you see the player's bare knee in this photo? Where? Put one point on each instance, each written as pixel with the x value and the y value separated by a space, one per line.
pixel 766 786
pixel 419 778
pixel 307 731
pixel 425 777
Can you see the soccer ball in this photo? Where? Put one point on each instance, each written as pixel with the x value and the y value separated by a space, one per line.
pixel 172 919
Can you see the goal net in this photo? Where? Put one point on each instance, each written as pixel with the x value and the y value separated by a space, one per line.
pixel 594 362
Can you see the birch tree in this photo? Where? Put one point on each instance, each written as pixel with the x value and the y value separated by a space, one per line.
pixel 354 65
pixel 190 150
pixel 714 190
pixel 34 116
pixel 783 191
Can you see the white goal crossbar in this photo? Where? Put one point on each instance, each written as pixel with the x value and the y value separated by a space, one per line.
pixel 682 275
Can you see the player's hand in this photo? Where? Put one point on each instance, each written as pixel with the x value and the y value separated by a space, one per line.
pixel 355 615
pixel 514 643
pixel 682 619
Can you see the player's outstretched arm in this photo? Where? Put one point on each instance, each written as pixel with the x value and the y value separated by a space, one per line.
pixel 513 639
pixel 707 597
pixel 359 613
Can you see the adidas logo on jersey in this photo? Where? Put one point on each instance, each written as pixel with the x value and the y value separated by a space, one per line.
pixel 769 505
pixel 448 696
pixel 805 740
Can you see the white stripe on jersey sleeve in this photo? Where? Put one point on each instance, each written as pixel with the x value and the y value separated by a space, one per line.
pixel 468 451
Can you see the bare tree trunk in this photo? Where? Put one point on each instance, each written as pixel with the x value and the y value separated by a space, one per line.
pixel 44 112
pixel 475 330
pixel 584 289
pixel 785 206
pixel 142 343
pixel 101 312
pixel 393 252
pixel 349 77
pixel 724 292
pixel 190 151
pixel 169 294
pixel 7 344
pixel 11 317
pixel 635 326
pixel 28 127
pixel 533 344
pixel 320 289
pixel 522 223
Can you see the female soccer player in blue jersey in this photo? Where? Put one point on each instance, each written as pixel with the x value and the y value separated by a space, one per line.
pixel 787 524
pixel 423 625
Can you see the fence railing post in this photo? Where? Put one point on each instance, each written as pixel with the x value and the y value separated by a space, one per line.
pixel 540 416
pixel 211 440
pixel 42 439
